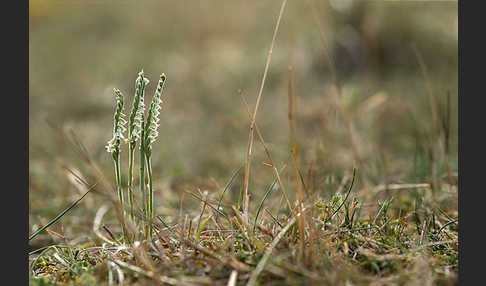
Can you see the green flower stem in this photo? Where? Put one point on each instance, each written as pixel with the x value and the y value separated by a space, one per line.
pixel 148 137
pixel 151 193
pixel 142 174
pixel 116 160
pixel 113 147
pixel 134 133
pixel 131 155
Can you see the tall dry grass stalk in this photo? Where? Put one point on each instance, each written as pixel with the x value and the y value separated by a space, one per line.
pixel 293 144
pixel 246 200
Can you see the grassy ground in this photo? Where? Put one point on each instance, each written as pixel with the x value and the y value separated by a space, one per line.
pixel 375 129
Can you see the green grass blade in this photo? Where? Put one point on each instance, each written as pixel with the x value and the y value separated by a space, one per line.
pixel 347 194
pixel 163 222
pixel 274 218
pixel 447 224
pixel 59 216
pixel 269 190
pixel 302 180
pixel 228 185
pixel 203 224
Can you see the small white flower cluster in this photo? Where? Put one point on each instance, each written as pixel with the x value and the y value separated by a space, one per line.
pixel 119 124
pixel 137 115
pixel 138 109
pixel 154 111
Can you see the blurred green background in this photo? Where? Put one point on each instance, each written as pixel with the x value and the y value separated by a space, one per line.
pixel 80 50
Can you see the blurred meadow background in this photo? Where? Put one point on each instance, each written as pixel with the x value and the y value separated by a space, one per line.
pixel 396 64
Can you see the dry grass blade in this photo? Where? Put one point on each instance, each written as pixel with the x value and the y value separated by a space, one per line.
pixel 55 233
pixel 230 262
pixel 97 223
pixel 392 187
pixel 205 202
pixel 150 274
pixel 325 46
pixel 252 126
pixel 261 265
pixel 212 207
pixel 233 278
pixel 269 156
pixel 298 177
pixel 246 230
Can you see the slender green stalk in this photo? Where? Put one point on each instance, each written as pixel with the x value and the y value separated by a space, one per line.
pixel 151 193
pixel 113 147
pixel 142 174
pixel 136 120
pixel 150 134
pixel 130 180
pixel 118 182
pixel 120 194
